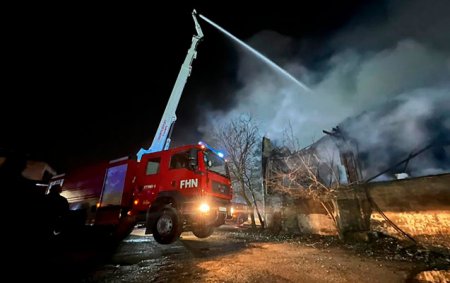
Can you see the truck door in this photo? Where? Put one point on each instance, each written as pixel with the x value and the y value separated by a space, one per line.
pixel 181 175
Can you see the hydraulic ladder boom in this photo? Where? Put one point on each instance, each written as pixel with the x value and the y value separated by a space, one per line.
pixel 161 141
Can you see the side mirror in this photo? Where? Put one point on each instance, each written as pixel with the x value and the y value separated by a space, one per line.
pixel 193 160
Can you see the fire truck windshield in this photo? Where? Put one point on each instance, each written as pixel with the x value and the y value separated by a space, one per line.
pixel 215 164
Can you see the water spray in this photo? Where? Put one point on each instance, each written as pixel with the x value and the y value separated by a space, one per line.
pixel 258 54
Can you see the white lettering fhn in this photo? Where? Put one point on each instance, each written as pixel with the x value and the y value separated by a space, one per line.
pixel 190 183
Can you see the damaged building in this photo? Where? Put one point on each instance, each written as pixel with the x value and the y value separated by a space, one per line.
pixel 337 186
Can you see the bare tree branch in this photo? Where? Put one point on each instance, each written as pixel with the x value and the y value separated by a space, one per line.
pixel 240 139
pixel 297 177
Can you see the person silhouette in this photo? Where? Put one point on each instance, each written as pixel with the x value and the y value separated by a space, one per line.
pixel 57 208
pixel 14 183
pixel 30 218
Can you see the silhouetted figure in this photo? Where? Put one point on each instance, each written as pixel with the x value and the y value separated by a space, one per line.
pixel 57 208
pixel 27 199
pixel 11 170
pixel 28 223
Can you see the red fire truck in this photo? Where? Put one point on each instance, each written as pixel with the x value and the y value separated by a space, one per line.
pixel 173 190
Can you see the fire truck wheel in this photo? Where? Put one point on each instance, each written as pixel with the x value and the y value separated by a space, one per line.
pixel 203 231
pixel 168 227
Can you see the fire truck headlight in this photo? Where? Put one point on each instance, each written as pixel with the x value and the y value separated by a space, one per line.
pixel 136 202
pixel 204 207
pixel 232 210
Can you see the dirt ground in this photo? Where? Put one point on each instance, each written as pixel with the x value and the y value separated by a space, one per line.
pixel 236 255
pixel 288 262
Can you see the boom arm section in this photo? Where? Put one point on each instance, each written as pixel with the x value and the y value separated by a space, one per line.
pixel 161 141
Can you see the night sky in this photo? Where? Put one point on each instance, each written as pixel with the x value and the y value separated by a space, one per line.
pixel 91 83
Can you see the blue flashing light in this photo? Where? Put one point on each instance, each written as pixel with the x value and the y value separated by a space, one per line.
pixel 205 145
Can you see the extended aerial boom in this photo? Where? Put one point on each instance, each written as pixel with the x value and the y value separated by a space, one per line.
pixel 161 141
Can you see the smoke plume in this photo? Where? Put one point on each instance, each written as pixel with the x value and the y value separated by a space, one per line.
pixel 391 74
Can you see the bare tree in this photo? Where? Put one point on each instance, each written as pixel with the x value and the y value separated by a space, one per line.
pixel 240 139
pixel 289 140
pixel 303 175
pixel 308 173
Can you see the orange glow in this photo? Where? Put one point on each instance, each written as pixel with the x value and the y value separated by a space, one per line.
pixel 204 207
pixel 98 204
pixel 136 201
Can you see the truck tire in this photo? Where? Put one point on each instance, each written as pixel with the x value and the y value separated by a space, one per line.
pixel 203 231
pixel 168 226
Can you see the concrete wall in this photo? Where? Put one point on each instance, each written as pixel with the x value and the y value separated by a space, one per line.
pixel 418 206
pixel 304 216
pixel 316 223
pixel 353 211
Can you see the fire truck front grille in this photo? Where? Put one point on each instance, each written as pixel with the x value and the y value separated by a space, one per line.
pixel 220 188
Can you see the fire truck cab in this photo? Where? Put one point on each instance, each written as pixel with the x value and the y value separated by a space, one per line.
pixel 182 189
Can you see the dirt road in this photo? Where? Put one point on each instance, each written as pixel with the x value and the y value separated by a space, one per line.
pixel 236 256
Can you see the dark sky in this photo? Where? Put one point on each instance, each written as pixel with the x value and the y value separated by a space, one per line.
pixel 91 83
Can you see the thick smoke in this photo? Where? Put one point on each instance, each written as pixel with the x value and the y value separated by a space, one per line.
pixel 405 125
pixel 392 74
